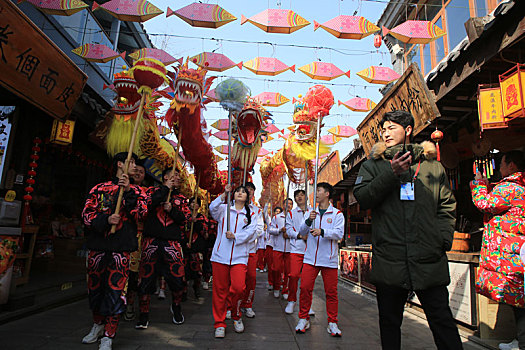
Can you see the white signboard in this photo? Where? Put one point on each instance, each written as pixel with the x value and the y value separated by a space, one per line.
pixel 5 131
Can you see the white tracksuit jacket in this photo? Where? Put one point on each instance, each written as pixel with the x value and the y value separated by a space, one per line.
pixel 232 251
pixel 280 243
pixel 260 228
pixel 294 220
pixel 324 251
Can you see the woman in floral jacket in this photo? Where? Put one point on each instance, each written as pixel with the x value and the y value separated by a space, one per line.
pixel 500 275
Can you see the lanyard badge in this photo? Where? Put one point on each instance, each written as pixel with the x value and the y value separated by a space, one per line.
pixel 407 188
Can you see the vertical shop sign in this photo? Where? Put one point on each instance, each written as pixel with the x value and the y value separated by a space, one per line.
pixel 5 131
pixel 490 109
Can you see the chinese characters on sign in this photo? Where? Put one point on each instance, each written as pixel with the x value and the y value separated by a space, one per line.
pixel 410 93
pixel 62 132
pixel 512 85
pixel 33 67
pixel 490 110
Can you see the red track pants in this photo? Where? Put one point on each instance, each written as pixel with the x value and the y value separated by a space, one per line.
pixel 269 262
pixel 249 291
pixel 296 265
pixel 308 277
pixel 261 259
pixel 281 269
pixel 227 279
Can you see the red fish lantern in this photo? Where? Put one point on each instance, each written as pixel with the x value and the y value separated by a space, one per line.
pixel 377 41
pixel 437 136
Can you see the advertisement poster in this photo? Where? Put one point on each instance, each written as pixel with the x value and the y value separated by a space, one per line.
pixel 5 130
pixel 349 265
pixel 365 261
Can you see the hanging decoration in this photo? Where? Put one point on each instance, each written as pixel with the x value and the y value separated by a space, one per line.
pixel 348 27
pixel 62 132
pixel 437 136
pixel 490 108
pixel 485 165
pixel 378 75
pixel 163 131
pixel 377 41
pixel 272 129
pixel 130 10
pixel 59 7
pixel 267 66
pixel 263 152
pixel 342 131
pixel 323 71
pixel 415 32
pixel 222 149
pixel 218 158
pixel 453 178
pixel 214 61
pixel 330 139
pixel 266 138
pixel 277 21
pixel 512 84
pixel 358 104
pixel 221 124
pixel 221 135
pixel 284 136
pixel 97 53
pixel 157 54
pixel 271 99
pixel 198 14
pixel 212 96
pixel 27 218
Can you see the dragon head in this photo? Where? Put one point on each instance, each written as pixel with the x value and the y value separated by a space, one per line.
pixel 307 111
pixel 249 122
pixel 306 127
pixel 189 87
pixel 128 98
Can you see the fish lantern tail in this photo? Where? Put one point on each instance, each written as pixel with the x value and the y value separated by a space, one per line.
pixel 316 25
pixel 169 12
pixel 385 31
pixel 243 19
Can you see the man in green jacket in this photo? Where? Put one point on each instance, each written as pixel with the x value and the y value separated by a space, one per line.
pixel 412 228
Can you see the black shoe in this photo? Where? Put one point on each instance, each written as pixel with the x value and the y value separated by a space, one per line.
pixel 178 317
pixel 143 321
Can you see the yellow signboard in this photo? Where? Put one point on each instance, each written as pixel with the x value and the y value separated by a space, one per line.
pixel 490 110
pixel 62 132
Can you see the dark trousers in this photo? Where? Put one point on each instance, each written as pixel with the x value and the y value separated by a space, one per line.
pixel 391 302
pixel 519 315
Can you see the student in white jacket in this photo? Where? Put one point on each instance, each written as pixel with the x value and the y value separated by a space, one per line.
pixel 323 228
pixel 230 255
pixel 281 251
pixel 269 246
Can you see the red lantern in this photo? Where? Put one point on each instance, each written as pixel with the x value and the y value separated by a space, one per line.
pixel 27 197
pixel 437 136
pixel 377 41
pixel 149 73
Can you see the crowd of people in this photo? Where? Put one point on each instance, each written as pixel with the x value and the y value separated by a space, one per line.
pixel 160 239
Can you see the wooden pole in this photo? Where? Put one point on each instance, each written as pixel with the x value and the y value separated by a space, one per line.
pixel 230 116
pixel 316 161
pixel 194 201
pixel 244 178
pixel 130 152
pixel 306 182
pixel 177 150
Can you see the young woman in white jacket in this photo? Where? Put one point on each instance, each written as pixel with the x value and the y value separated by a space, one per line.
pixel 230 255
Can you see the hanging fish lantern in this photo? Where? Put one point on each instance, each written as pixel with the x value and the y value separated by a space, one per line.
pixel 214 61
pixel 263 152
pixel 323 71
pixel 378 75
pixel 267 66
pixel 272 99
pixel 221 124
pixel 129 10
pixel 266 138
pixel 212 96
pixel 342 131
pixel 97 53
pixel 330 139
pixel 348 27
pixel 415 32
pixel 358 104
pixel 272 129
pixel 58 7
pixel 203 15
pixel 221 135
pixel 157 54
pixel 223 149
pixel 277 21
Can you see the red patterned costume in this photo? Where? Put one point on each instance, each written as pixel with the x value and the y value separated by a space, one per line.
pixel 108 259
pixel 192 256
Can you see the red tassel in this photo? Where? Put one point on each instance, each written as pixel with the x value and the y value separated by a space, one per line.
pixel 438 153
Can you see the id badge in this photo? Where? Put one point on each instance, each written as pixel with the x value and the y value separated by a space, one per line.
pixel 407 191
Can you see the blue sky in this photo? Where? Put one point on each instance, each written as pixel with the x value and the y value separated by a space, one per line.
pixel 353 55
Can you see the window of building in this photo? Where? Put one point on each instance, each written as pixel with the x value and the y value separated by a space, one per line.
pixel 427 59
pixel 458 12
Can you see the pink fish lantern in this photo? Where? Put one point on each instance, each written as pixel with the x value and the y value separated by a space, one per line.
pixel 97 53
pixel 218 158
pixel 130 10
pixel 272 99
pixel 277 21
pixel 271 129
pixel 348 27
pixel 58 7
pixel 223 149
pixel 203 15
pixel 221 124
pixel 212 95
pixel 262 152
pixel 163 131
pixel 378 75
pixel 260 160
pixel 157 54
pixel 330 139
pixel 342 131
pixel 214 61
pixel 285 136
pixel 358 104
pixel 415 32
pixel 221 135
pixel 266 138
pixel 323 71
pixel 267 66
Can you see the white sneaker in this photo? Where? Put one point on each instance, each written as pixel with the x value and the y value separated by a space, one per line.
pixel 228 315
pixel 238 325
pixel 96 332
pixel 302 325
pixel 205 286
pixel 105 343
pixel 249 312
pixel 513 345
pixel 162 294
pixel 265 270
pixel 333 329
pixel 220 332
pixel 285 296
pixel 276 294
pixel 311 312
pixel 289 307
pixel 257 270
